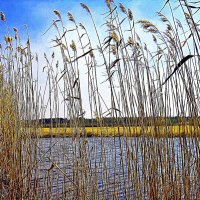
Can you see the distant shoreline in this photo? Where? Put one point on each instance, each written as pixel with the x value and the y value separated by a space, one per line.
pixel 121 121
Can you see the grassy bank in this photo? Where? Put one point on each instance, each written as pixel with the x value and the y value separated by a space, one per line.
pixel 159 131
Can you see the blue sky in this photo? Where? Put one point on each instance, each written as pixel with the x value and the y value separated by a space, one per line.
pixel 37 14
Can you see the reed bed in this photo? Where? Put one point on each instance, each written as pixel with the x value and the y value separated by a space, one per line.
pixel 150 159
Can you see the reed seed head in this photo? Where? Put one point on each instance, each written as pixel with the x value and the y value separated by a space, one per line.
pixel 144 21
pixel 73 46
pixel 71 17
pixel 84 6
pixel 91 53
pixel 162 17
pixel 28 42
pixel 57 13
pixel 19 49
pixel 108 4
pixel 148 26
pixel 110 25
pixel 130 41
pixel 169 28
pixel 15 30
pixel 8 39
pixel 130 15
pixel 3 18
pixel 152 30
pixel 82 26
pixel 115 36
pixel 187 15
pixel 122 8
pixel 114 50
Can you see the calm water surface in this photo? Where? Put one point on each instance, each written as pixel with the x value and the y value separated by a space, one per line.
pixel 106 162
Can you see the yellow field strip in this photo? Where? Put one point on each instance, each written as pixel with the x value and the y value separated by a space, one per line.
pixel 160 131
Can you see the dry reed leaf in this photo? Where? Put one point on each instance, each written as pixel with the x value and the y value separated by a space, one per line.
pixel 111 11
pixel 110 76
pixel 58 44
pixel 82 35
pixel 186 40
pixel 74 61
pixel 28 42
pixel 164 5
pixel 195 7
pixel 178 66
pixel 36 57
pixel 52 166
pixel 154 38
pixel 116 109
pixel 75 82
pixel 108 41
pixel 75 98
pixel 114 63
pixel 53 24
pixel 82 55
pixel 122 21
pixel 179 23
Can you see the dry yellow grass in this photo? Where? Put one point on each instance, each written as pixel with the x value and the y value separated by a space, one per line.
pixel 160 131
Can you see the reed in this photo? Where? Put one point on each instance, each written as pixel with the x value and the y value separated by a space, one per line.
pixel 144 155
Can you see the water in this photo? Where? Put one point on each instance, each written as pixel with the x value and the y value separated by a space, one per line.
pixel 107 168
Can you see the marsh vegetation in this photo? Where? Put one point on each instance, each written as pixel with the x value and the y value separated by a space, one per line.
pixel 144 84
